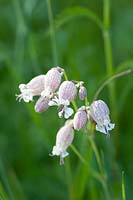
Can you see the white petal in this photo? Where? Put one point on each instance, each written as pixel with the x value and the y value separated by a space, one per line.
pixel 46 92
pixel 111 126
pixel 22 87
pixel 55 151
pixel 60 114
pixel 52 103
pixel 64 154
pixel 68 112
pixel 101 128
pixel 64 102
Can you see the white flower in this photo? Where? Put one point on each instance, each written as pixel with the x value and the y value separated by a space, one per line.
pixel 31 89
pixel 26 94
pixel 80 119
pixel 99 112
pixel 63 140
pixel 63 107
pixel 42 104
pixel 52 80
pixel 67 91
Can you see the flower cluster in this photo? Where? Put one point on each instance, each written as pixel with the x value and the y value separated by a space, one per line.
pixel 52 91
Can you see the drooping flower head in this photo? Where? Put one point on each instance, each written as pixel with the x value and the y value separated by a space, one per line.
pixel 99 112
pixel 80 119
pixel 42 104
pixel 31 89
pixel 52 80
pixel 64 139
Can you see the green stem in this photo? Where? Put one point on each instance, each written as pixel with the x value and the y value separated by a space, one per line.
pixel 123 187
pixel 52 32
pixel 86 163
pixel 109 80
pixel 108 50
pixel 95 152
pixel 101 168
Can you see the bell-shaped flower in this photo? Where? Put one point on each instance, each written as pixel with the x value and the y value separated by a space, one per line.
pixel 52 81
pixel 67 92
pixel 80 119
pixel 64 139
pixel 42 104
pixel 99 112
pixel 31 89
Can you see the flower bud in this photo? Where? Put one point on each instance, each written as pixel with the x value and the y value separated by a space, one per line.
pixel 79 120
pixel 42 104
pixel 64 138
pixel 33 88
pixel 67 91
pixel 99 112
pixel 53 79
pixel 82 93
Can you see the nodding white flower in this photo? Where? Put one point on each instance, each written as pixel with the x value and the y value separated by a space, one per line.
pixel 31 89
pixel 52 80
pixel 64 139
pixel 42 104
pixel 63 108
pixel 99 112
pixel 67 91
pixel 82 92
pixel 80 119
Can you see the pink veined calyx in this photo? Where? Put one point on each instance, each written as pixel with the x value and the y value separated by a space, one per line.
pixel 64 139
pixel 99 112
pixel 31 89
pixel 66 94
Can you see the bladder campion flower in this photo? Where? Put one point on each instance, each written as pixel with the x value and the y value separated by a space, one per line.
pixel 82 92
pixel 67 92
pixel 42 104
pixel 31 89
pixel 64 139
pixel 52 80
pixel 99 112
pixel 80 119
pixel 52 92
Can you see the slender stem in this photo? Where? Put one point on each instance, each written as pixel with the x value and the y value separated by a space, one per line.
pixel 123 187
pixel 108 50
pixel 65 75
pixel 109 80
pixel 86 163
pixel 52 32
pixel 104 184
pixel 102 171
pixel 106 13
pixel 96 152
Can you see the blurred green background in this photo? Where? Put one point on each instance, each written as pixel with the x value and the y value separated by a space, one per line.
pixel 29 48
